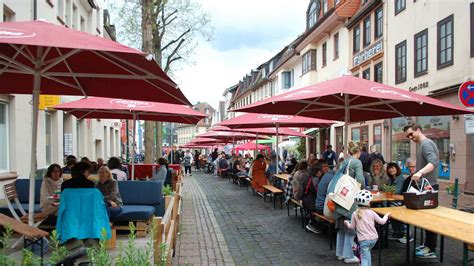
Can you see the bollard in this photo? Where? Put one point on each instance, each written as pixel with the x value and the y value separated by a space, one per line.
pixel 455 193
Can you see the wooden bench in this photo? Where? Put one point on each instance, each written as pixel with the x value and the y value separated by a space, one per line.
pixel 297 205
pixel 276 192
pixel 327 222
pixel 30 234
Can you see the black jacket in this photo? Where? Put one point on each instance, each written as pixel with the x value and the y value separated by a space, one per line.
pixel 77 182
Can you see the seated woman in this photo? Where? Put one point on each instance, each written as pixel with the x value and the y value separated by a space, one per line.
pixel 162 171
pixel 109 188
pixel 300 175
pixel 115 167
pixel 396 177
pixel 377 174
pixel 309 193
pixel 258 174
pixel 50 186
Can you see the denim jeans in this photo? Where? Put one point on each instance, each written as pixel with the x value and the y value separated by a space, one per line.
pixel 344 240
pixel 365 247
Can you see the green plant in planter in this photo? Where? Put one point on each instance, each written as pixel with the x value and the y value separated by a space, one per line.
pixel 58 252
pixel 29 258
pixel 450 189
pixel 100 256
pixel 132 255
pixel 167 190
pixel 5 242
pixel 388 188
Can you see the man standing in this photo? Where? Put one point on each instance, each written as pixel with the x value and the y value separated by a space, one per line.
pixel 330 156
pixel 188 162
pixel 427 160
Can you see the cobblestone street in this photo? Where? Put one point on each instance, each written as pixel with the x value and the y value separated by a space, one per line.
pixel 226 224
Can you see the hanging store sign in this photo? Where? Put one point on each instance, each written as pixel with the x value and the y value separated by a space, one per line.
pixel 47 101
pixel 368 53
pixel 469 124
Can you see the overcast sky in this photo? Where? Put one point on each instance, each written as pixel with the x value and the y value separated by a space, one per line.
pixel 246 34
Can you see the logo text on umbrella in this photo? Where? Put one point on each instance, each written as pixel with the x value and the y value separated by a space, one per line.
pixel 8 33
pixel 132 104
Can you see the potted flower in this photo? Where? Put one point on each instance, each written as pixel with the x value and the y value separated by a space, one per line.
pixel 167 193
pixel 388 189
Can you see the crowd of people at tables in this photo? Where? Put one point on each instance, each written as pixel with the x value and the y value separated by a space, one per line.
pixel 108 174
pixel 311 179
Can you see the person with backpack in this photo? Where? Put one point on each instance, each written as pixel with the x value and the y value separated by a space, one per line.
pixel 188 162
pixel 363 222
pixel 345 237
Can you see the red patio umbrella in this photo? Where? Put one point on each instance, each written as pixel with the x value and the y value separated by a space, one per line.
pixel 106 108
pixel 39 57
pixel 226 135
pixel 252 145
pixel 352 99
pixel 255 120
pixel 269 131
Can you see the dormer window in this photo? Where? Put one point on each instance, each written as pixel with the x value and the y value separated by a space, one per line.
pixel 312 14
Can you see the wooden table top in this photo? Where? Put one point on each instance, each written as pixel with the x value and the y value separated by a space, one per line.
pixel 24 229
pixel 382 197
pixel 283 177
pixel 452 223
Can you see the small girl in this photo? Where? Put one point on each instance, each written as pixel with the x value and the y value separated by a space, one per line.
pixel 363 221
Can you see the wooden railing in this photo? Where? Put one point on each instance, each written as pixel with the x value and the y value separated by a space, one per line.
pixel 167 228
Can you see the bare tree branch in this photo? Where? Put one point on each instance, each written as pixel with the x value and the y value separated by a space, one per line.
pixel 176 49
pixel 175 40
pixel 168 64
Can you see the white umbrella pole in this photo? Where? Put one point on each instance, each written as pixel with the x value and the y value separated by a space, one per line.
pixel 347 118
pixel 277 151
pixel 133 145
pixel 256 145
pixel 34 139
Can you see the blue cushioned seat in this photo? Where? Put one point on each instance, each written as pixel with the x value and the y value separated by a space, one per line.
pixel 135 213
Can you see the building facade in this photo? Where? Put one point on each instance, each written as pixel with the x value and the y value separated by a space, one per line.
pixel 433 56
pixel 387 42
pixel 187 132
pixel 59 134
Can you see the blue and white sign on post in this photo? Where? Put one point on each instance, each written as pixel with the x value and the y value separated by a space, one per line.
pixel 466 94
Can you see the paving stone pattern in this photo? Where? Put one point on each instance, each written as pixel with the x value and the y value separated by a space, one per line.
pixel 225 224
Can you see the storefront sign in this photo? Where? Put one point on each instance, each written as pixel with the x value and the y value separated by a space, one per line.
pixel 420 86
pixel 466 94
pixel 47 101
pixel 469 124
pixel 368 53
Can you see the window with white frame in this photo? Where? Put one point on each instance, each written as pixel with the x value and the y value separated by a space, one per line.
pixel 48 129
pixel 309 61
pixel 4 155
pixel 287 78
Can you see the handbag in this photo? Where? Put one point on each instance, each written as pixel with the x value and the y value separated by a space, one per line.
pixel 421 199
pixel 346 189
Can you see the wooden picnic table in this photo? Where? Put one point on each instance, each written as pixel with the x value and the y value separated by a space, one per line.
pixel 451 223
pixel 283 177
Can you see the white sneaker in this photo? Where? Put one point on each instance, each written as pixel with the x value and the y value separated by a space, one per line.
pixel 313 229
pixel 260 194
pixel 403 240
pixel 340 258
pixel 353 260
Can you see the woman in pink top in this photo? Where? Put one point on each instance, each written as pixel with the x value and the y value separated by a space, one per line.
pixel 363 221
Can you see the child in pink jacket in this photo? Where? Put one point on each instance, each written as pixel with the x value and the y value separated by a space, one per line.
pixel 363 221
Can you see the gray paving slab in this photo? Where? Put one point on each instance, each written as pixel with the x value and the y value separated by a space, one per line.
pixel 250 232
